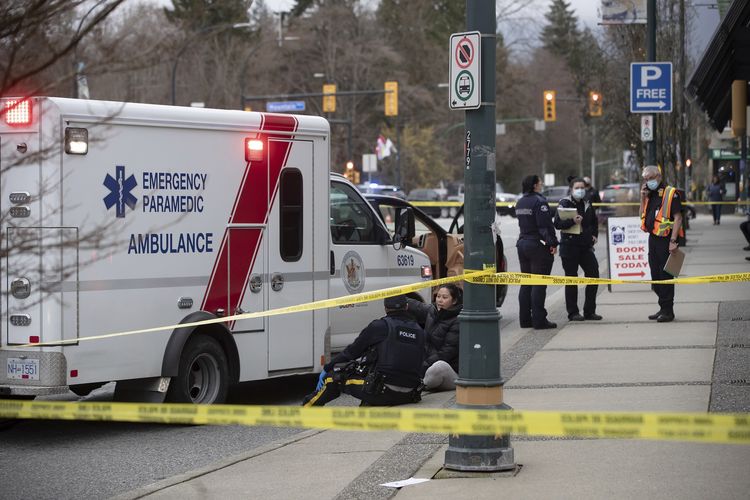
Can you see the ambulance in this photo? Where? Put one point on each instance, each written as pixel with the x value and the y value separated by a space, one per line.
pixel 121 216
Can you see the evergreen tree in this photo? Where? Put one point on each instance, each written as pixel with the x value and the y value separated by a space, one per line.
pixel 198 14
pixel 561 36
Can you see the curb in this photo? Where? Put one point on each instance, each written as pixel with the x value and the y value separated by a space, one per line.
pixel 193 474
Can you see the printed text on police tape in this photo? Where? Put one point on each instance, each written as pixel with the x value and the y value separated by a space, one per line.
pixel 696 427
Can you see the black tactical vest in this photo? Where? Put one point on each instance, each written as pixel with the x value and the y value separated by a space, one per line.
pixel 401 354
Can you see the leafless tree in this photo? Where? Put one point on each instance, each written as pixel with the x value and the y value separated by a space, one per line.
pixel 41 46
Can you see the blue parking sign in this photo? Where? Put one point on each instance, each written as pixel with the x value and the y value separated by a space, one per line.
pixel 651 87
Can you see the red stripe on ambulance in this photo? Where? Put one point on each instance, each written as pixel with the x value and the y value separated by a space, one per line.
pixel 250 207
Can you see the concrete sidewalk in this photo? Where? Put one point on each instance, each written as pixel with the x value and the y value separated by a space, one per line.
pixel 700 362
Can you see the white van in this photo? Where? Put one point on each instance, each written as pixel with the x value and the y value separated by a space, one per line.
pixel 122 216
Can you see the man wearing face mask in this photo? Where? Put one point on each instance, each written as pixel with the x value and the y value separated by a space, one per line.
pixel 576 249
pixel 662 219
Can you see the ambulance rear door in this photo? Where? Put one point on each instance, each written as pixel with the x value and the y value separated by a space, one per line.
pixel 290 248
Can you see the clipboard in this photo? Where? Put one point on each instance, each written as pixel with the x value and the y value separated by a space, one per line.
pixel 674 263
pixel 569 214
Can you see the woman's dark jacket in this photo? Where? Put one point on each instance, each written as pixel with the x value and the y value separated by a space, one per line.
pixel 589 224
pixel 441 327
pixel 716 192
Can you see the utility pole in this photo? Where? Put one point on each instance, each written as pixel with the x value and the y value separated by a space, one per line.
pixel 480 385
pixel 398 152
pixel 593 155
pixel 684 124
pixel 651 57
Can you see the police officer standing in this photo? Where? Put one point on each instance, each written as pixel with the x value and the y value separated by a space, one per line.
pixel 381 367
pixel 577 248
pixel 660 215
pixel 592 195
pixel 537 244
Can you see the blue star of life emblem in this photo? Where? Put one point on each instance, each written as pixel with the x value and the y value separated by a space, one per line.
pixel 119 191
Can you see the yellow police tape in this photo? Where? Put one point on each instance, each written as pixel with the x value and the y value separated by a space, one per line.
pixel 696 427
pixel 509 278
pixel 310 306
pixel 602 204
pixel 484 277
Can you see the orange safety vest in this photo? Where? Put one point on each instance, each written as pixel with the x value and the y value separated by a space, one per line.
pixel 663 222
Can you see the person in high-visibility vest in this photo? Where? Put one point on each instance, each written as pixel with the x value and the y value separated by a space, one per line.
pixel 661 217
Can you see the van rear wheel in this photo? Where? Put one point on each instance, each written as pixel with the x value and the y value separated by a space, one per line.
pixel 203 374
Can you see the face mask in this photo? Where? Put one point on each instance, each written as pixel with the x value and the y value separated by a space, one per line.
pixel 579 193
pixel 652 184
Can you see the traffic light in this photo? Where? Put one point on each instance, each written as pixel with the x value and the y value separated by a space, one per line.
pixel 351 173
pixel 391 99
pixel 550 111
pixel 595 103
pixel 329 101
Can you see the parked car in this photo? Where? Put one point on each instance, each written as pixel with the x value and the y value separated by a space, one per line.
pixel 424 194
pixel 508 198
pixel 387 189
pixel 456 193
pixel 555 193
pixel 444 248
pixel 619 193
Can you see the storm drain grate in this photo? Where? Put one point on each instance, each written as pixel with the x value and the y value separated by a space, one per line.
pixel 740 346
pixel 740 318
pixel 739 381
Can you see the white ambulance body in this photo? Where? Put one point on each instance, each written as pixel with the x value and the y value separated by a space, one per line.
pixel 117 217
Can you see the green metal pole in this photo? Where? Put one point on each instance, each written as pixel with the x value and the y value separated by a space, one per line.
pixel 651 57
pixel 480 385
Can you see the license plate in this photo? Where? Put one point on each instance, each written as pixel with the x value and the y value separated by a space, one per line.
pixel 23 369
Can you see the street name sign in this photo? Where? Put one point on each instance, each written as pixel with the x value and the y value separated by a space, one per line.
pixel 651 87
pixel 285 106
pixel 369 163
pixel 465 71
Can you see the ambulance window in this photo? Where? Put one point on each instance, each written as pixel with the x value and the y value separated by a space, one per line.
pixel 351 216
pixel 290 208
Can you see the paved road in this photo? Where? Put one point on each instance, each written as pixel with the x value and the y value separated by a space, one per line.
pixel 54 459
pixel 44 459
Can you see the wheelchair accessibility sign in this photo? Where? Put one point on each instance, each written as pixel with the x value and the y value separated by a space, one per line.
pixel 465 92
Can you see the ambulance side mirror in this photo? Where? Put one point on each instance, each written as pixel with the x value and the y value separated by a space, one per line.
pixel 405 230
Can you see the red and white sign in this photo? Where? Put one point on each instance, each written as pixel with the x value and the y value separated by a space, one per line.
pixel 628 249
pixel 464 52
pixel 465 70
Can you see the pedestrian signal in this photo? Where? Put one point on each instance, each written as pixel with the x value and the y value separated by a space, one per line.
pixel 550 112
pixel 595 103
pixel 329 101
pixel 391 98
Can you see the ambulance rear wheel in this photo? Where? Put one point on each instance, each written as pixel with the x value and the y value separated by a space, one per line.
pixel 203 374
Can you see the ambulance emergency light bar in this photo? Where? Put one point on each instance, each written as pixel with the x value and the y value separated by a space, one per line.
pixel 17 112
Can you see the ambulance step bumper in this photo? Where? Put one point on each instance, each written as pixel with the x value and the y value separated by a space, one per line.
pixel 30 373
pixel 15 390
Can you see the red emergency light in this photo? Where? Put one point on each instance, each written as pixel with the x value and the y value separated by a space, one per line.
pixel 253 149
pixel 17 112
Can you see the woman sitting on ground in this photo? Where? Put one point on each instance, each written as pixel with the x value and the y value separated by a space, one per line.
pixel 441 326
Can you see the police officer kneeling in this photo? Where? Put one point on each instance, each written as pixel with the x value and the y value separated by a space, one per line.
pixel 381 367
